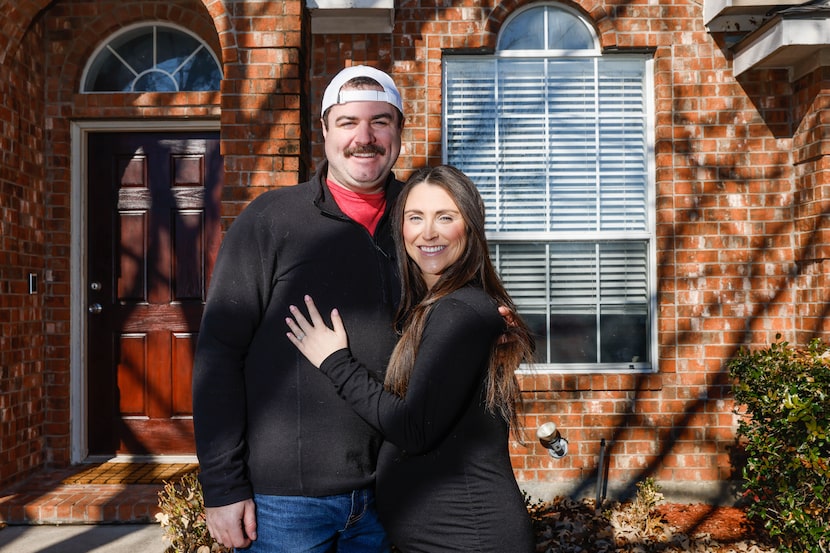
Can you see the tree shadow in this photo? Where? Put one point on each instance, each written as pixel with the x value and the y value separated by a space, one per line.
pixel 72 539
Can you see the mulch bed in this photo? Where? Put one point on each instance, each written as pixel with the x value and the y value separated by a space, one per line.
pixel 723 524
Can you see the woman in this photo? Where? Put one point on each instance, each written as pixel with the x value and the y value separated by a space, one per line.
pixel 444 478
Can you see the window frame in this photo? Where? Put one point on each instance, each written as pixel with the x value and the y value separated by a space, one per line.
pixel 599 236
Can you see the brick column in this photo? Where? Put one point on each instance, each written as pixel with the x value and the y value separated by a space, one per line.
pixel 264 102
pixel 811 159
pixel 25 221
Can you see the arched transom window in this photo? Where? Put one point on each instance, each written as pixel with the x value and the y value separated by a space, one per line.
pixel 557 135
pixel 547 29
pixel 152 58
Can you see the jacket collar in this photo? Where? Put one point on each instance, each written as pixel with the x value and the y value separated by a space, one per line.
pixel 326 203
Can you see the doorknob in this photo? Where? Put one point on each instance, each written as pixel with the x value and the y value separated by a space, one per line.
pixel 96 308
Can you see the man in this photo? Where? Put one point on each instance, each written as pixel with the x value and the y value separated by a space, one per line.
pixel 286 465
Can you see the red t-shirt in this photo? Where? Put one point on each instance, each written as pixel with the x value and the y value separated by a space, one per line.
pixel 366 209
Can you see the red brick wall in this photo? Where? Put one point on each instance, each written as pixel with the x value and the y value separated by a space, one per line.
pixel 23 229
pixel 741 197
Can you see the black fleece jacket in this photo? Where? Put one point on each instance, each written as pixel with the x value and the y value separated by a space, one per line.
pixel 266 421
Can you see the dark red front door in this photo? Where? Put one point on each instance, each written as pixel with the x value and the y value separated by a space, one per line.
pixel 153 236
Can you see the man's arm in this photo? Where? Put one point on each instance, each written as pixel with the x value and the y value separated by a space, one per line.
pixel 239 288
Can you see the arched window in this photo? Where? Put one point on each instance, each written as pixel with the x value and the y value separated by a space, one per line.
pixel 546 28
pixel 152 58
pixel 557 135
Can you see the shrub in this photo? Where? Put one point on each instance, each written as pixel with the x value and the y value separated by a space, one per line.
pixel 784 428
pixel 182 517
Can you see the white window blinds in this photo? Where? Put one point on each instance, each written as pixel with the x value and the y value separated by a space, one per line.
pixel 553 145
pixel 559 150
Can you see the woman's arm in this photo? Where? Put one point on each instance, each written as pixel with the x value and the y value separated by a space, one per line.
pixel 449 369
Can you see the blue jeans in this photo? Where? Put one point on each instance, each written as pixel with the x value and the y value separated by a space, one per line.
pixel 346 523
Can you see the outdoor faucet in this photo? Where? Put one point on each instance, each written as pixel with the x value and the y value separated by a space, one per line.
pixel 552 440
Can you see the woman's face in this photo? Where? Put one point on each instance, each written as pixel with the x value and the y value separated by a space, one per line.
pixel 434 233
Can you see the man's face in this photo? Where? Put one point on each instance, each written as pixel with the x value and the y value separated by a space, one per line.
pixel 363 141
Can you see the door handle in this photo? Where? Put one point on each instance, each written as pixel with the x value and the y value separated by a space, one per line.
pixel 96 308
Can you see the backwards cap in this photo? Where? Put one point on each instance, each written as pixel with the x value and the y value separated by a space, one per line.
pixel 333 95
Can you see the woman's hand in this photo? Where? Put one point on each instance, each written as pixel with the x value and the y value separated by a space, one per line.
pixel 313 338
pixel 510 321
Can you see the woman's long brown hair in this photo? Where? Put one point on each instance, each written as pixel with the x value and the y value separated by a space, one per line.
pixel 473 267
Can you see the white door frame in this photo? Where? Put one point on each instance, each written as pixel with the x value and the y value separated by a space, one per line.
pixel 78 343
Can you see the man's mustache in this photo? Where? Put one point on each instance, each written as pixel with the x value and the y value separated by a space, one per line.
pixel 367 149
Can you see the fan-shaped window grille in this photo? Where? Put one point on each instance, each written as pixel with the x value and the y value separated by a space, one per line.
pixel 152 58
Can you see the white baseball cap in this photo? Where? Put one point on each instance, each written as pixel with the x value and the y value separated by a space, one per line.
pixel 389 94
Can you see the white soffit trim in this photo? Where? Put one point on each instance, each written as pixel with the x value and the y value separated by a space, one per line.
pixel 782 43
pixel 751 13
pixel 351 16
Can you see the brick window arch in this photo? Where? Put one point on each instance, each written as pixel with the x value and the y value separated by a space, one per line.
pixel 152 57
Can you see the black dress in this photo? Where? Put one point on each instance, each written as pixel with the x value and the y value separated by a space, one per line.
pixel 444 481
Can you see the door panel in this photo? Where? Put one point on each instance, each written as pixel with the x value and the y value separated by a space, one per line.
pixel 153 237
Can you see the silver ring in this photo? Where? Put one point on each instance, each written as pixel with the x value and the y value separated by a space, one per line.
pixel 300 337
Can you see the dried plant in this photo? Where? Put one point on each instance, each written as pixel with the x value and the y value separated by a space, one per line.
pixel 182 517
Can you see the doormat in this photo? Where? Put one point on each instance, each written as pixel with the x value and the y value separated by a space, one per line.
pixel 131 473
